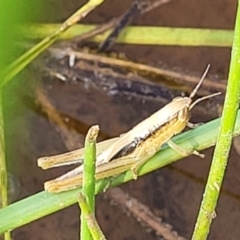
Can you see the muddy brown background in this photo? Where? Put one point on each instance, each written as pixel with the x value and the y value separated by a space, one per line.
pixel 173 193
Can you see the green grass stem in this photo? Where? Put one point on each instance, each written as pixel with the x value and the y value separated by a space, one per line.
pixel 43 203
pixel 89 216
pixel 207 210
pixel 148 35
pixel 3 165
pixel 88 188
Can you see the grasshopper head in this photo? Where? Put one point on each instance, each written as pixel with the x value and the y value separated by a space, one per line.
pixel 183 101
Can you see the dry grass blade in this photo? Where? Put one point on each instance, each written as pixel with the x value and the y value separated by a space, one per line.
pixel 26 58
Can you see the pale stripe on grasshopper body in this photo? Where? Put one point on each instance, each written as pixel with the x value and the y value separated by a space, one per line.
pixel 132 149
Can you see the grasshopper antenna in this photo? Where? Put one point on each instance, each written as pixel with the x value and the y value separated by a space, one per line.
pixel 204 98
pixel 197 87
pixel 200 82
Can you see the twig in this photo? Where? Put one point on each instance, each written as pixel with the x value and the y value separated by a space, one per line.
pixel 53 115
pixel 71 130
pixel 142 213
pixel 98 30
pixel 124 20
pixel 145 7
pixel 137 66
pixel 151 5
pixel 138 7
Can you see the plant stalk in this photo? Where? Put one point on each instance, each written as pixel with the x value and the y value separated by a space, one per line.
pixel 207 210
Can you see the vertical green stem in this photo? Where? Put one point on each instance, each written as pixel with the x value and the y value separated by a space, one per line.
pixel 88 188
pixel 219 162
pixel 3 167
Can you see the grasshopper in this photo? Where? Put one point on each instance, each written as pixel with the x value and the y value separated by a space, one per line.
pixel 132 149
